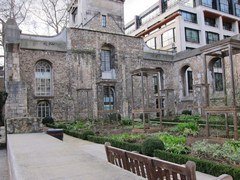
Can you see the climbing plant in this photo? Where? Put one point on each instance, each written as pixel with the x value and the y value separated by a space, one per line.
pixel 3 98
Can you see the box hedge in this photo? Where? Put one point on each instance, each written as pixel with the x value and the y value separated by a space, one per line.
pixel 118 144
pixel 205 166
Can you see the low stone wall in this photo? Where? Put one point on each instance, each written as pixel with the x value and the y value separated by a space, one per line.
pixel 24 125
pixel 2 135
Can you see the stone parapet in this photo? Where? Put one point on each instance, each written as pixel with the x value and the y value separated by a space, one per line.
pixel 24 125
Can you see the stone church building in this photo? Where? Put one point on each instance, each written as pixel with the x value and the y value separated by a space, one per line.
pixel 92 69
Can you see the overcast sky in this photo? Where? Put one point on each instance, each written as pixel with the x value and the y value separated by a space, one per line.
pixel 135 7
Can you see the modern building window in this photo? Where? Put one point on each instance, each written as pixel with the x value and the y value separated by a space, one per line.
pixel 43 78
pixel 74 14
pixel 210 21
pixel 130 29
pixel 226 36
pixel 150 15
pixel 189 48
pixel 43 109
pixel 227 26
pixel 211 37
pixel 108 98
pixel 104 21
pixel 217 75
pixel 208 3
pixel 168 37
pixel 191 35
pixel 190 17
pixel 224 6
pixel 237 9
pixel 152 43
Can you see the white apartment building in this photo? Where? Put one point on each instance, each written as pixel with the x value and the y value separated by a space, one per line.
pixel 181 25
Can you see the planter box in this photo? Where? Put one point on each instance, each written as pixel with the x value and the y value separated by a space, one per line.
pixel 57 133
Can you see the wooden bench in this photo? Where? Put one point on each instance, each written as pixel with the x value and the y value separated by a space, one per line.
pixel 152 168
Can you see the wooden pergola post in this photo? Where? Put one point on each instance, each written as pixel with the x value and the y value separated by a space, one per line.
pixel 226 125
pixel 206 81
pixel 143 104
pixel 159 101
pixel 133 116
pixel 207 125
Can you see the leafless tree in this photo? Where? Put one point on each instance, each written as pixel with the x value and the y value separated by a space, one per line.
pixel 16 9
pixel 53 13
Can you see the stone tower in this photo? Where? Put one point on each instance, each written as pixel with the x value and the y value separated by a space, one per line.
pixel 16 104
pixel 100 15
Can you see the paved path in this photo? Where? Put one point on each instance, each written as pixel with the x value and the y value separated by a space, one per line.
pixel 39 156
pixel 42 157
pixel 98 151
pixel 4 175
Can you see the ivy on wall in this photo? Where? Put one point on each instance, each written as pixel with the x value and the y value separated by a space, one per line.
pixel 3 98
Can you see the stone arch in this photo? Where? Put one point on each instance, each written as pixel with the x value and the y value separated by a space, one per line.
pixel 186 74
pixel 215 66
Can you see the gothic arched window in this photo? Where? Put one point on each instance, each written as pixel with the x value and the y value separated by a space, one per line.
pixel 217 75
pixel 109 97
pixel 43 109
pixel 187 80
pixel 43 78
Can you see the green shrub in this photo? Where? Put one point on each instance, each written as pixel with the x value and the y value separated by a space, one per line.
pixel 230 150
pixel 126 122
pixel 186 128
pixel 87 133
pixel 151 144
pixel 125 137
pixel 174 144
pixel 205 166
pixel 187 112
pixel 115 143
pixel 189 118
pixel 114 117
pixel 48 120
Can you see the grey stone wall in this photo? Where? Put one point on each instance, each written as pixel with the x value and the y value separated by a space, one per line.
pixel 80 68
pixel 24 125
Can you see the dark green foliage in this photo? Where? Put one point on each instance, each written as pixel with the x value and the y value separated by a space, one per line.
pixel 114 117
pixel 126 122
pixel 205 166
pixel 114 143
pixel 151 144
pixel 87 133
pixel 3 98
pixel 187 112
pixel 186 129
pixel 145 115
pixel 48 120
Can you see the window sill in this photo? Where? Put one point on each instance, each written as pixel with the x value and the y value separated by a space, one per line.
pixel 192 42
pixel 41 97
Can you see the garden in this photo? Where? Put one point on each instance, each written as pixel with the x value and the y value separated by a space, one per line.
pixel 179 140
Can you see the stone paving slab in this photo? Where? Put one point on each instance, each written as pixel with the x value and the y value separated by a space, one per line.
pixel 98 151
pixel 4 174
pixel 40 156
